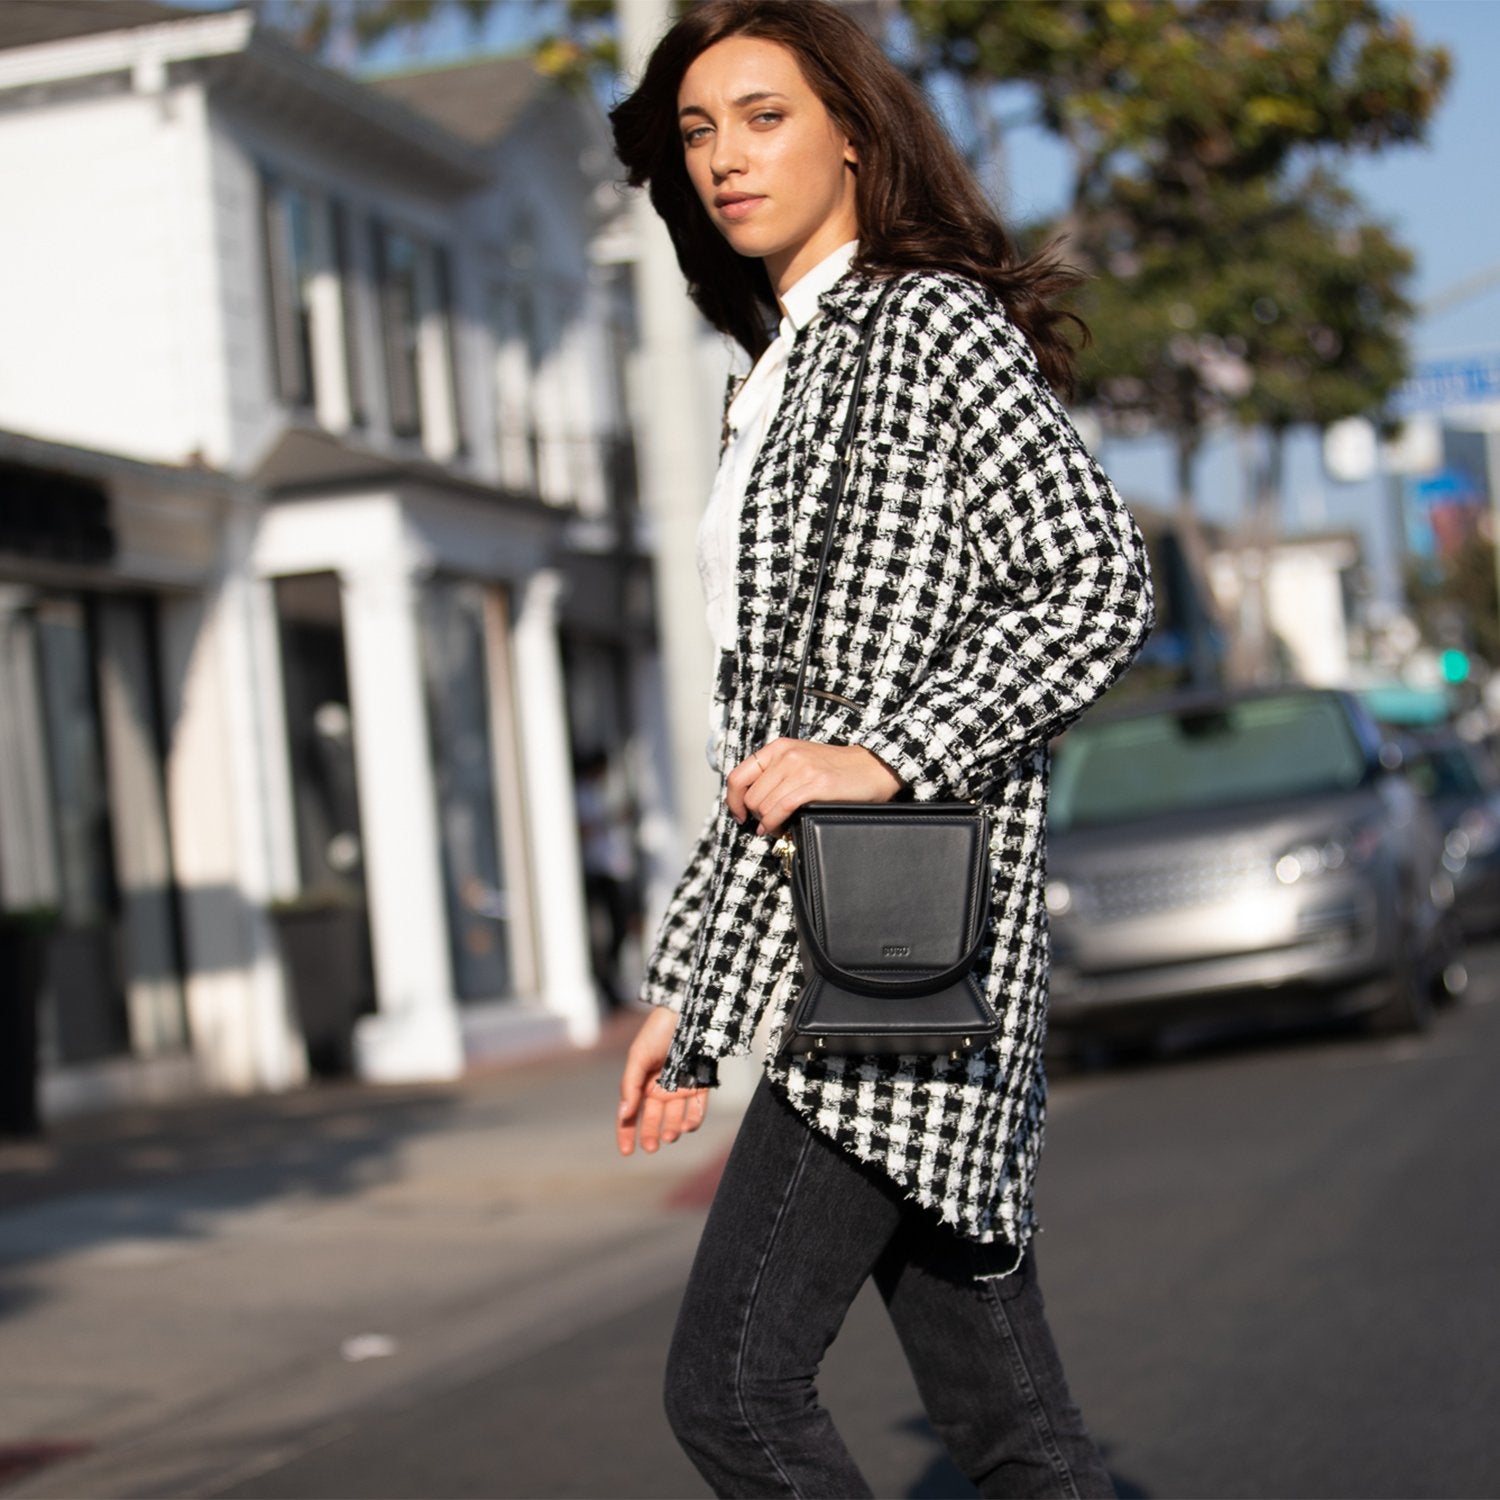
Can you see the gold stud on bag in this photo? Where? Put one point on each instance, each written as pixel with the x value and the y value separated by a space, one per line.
pixel 891 899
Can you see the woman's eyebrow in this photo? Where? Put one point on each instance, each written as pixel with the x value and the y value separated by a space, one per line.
pixel 752 98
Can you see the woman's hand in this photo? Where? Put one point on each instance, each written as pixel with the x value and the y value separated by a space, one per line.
pixel 773 782
pixel 658 1115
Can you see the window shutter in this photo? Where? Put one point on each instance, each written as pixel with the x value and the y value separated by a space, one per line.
pixel 343 254
pixel 450 344
pixel 397 324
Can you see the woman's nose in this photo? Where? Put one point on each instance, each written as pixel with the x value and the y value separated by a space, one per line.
pixel 727 155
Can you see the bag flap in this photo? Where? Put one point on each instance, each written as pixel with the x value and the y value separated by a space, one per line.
pixel 899 890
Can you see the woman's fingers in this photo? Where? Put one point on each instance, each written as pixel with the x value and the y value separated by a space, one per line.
pixel 647 1112
pixel 664 1117
pixel 771 783
pixel 643 1064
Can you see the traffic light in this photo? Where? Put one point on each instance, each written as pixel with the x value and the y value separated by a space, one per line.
pixel 1454 665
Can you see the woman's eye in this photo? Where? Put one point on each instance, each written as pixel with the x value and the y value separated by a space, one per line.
pixel 768 114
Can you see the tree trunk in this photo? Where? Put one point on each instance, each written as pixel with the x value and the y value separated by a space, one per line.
pixel 1253 660
pixel 1195 612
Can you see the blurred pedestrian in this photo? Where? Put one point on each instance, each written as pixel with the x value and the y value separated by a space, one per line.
pixel 987 584
pixel 609 876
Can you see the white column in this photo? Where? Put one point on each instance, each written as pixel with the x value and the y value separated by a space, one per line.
pixel 214 667
pixel 415 1033
pixel 552 823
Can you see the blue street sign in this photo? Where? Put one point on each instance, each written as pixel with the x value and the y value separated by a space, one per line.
pixel 1450 382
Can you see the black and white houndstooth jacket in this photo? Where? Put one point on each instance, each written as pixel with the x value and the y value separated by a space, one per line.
pixel 986 585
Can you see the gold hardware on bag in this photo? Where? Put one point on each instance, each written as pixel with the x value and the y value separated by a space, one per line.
pixel 786 849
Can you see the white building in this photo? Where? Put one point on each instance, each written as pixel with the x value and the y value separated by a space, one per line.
pixel 318 552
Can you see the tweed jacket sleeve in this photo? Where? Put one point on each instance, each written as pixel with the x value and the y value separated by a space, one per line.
pixel 1064 593
pixel 667 972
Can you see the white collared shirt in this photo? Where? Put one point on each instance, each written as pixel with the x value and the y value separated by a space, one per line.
pixel 750 415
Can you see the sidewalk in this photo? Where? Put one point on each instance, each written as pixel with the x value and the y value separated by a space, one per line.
pixel 187 1292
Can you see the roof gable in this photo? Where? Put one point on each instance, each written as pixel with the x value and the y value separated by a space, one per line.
pixel 30 23
pixel 476 101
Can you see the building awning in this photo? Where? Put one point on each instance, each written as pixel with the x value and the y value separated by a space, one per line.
pixel 303 463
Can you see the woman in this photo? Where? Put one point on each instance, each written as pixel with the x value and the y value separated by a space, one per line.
pixel 986 586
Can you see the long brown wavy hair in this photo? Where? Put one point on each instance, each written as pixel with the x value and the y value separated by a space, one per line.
pixel 917 203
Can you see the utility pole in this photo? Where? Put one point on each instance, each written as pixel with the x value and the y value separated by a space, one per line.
pixel 676 457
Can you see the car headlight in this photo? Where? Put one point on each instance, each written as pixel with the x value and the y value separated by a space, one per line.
pixel 1477 834
pixel 1342 849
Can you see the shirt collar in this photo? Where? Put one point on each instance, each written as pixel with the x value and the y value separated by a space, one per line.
pixel 801 298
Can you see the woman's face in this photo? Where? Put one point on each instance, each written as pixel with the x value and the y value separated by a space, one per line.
pixel 772 167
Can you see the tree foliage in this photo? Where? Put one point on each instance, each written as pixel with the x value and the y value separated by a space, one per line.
pixel 1232 276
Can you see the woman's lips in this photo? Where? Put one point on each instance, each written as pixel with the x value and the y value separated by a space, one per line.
pixel 739 208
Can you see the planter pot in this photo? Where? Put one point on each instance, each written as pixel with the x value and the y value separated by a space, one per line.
pixel 24 942
pixel 325 954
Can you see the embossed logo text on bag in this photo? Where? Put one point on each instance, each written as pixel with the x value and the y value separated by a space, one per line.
pixel 895 950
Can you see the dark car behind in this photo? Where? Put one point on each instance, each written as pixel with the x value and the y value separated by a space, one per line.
pixel 1458 779
pixel 1241 854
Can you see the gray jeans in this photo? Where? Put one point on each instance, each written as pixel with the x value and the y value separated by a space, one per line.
pixel 796 1228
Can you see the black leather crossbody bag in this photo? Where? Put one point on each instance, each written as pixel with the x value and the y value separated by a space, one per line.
pixel 891 899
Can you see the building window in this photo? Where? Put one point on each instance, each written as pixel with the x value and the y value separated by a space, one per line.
pixel 418 337
pixel 401 328
pixel 515 325
pixel 290 267
pixel 311 280
pixel 623 337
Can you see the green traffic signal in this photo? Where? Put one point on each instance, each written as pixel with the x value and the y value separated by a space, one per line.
pixel 1454 665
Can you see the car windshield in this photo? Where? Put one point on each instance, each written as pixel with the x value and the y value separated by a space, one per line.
pixel 1236 753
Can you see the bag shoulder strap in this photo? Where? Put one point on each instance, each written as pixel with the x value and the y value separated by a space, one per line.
pixel 841 465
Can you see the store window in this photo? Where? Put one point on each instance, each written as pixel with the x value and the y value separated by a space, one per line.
pixel 83 827
pixel 320 736
pixel 323 933
pixel 464 653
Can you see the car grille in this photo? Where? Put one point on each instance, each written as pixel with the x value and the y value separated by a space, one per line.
pixel 1185 883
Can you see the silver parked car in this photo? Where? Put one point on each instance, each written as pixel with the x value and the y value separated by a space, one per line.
pixel 1241 854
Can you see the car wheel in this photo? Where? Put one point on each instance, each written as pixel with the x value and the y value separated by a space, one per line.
pixel 1450 974
pixel 1407 1005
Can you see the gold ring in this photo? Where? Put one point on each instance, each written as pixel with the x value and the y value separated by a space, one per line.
pixel 758 766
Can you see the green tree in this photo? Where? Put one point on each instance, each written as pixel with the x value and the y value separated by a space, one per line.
pixel 1459 590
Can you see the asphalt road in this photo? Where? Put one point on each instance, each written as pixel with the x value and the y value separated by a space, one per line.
pixel 1273 1269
